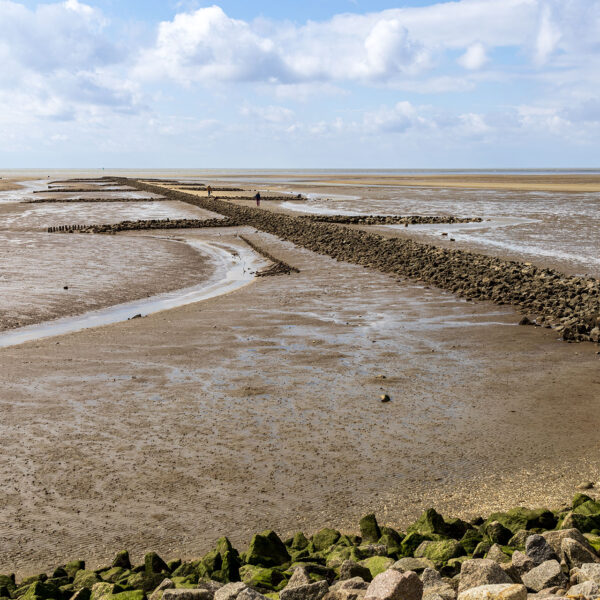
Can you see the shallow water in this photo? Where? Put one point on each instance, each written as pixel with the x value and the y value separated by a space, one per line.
pixel 233 268
pixel 551 228
pixel 47 276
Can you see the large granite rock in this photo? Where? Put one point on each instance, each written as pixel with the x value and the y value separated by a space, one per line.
pixel 230 591
pixel 481 571
pixel 539 550
pixel 521 562
pixel 435 585
pixel 546 575
pixel 576 554
pixel 555 538
pixel 187 594
pixel 587 589
pixel 588 572
pixel 501 591
pixel 165 584
pixel 310 591
pixel 394 585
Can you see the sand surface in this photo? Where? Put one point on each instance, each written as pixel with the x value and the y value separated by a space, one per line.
pixel 261 409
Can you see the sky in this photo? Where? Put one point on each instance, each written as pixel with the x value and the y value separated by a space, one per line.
pixel 300 84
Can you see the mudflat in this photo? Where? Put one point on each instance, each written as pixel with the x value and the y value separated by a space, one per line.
pixel 261 409
pixel 546 182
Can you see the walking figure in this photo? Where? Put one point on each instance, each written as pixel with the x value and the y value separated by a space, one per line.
pixel 257 198
pixel 209 190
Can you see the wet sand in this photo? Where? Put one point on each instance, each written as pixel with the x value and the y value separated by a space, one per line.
pixel 546 182
pixel 261 409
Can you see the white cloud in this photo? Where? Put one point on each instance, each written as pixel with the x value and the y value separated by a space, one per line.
pixel 269 114
pixel 548 37
pixel 474 58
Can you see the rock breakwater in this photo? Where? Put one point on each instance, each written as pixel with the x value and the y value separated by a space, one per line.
pixel 278 267
pixel 569 304
pixel 144 224
pixel 520 553
pixel 390 219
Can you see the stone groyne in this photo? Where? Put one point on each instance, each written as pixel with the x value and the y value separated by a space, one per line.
pixel 549 555
pixel 569 304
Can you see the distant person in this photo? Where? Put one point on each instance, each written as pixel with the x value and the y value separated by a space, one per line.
pixel 209 190
pixel 257 198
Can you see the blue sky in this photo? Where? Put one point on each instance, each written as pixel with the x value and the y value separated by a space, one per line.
pixel 289 84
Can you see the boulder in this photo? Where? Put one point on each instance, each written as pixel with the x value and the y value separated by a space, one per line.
pixel 518 540
pixel 356 583
pixel 122 560
pixel 584 523
pixel 524 518
pixel 266 578
pixel 393 585
pixel 75 565
pixel 434 585
pixel 187 594
pixel 230 591
pixel 298 542
pixel 539 550
pixel 555 538
pixel 325 538
pixel 481 571
pixel 498 533
pixel 250 594
pixel 369 529
pixel 496 554
pixel 349 589
pixel 350 569
pixel 470 540
pixel 153 563
pixel 576 554
pixel 430 522
pixel 391 539
pixel 267 550
pixel 546 575
pixel 502 591
pixel 587 589
pixel 310 591
pixel 300 576
pixel 412 541
pixel 521 562
pixel 589 572
pixel 101 591
pixel 85 579
pixel 377 564
pixel 413 564
pixel 166 584
pixel 439 552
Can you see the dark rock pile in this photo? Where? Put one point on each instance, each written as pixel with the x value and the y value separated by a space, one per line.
pixel 569 304
pixel 390 219
pixel 278 267
pixel 144 224
pixel 548 554
pixel 94 190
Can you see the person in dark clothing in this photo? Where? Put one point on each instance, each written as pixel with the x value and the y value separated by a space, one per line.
pixel 257 198
pixel 209 190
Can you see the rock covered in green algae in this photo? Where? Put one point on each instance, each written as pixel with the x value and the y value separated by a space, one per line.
pixel 369 529
pixel 267 550
pixel 325 538
pixel 439 552
pixel 524 518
